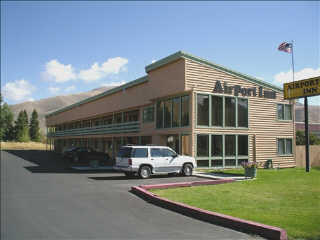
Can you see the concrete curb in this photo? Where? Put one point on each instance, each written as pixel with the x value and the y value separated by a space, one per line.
pixel 238 224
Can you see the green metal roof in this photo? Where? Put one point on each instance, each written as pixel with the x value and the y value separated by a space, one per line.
pixel 106 93
pixel 181 54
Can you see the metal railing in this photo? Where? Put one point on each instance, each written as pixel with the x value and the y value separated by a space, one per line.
pixel 101 129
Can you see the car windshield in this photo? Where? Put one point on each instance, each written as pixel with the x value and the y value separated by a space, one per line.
pixel 125 152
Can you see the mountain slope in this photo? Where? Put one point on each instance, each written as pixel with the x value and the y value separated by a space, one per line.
pixel 46 105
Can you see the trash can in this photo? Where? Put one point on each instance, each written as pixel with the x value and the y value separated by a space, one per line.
pixel 268 164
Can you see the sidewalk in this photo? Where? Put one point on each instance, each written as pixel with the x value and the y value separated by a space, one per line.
pixel 219 176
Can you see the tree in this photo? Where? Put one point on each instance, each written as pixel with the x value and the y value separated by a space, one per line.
pixel 34 128
pixel 300 138
pixel 6 122
pixel 21 127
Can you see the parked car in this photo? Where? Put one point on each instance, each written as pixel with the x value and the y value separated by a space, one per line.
pixel 148 160
pixel 85 155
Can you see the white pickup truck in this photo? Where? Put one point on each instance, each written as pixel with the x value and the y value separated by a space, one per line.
pixel 147 160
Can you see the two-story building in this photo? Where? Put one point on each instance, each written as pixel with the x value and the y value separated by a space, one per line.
pixel 219 116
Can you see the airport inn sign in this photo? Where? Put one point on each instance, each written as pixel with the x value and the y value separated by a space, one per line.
pixel 302 88
pixel 239 90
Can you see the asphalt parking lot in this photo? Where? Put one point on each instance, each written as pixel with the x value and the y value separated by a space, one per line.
pixel 42 199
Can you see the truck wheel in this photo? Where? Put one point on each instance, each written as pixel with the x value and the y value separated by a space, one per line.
pixel 144 172
pixel 187 170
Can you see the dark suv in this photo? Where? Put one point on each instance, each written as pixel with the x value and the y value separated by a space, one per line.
pixel 85 156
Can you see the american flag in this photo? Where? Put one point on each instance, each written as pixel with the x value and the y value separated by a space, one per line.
pixel 285 47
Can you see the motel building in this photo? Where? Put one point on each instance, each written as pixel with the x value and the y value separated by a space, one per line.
pixel 198 108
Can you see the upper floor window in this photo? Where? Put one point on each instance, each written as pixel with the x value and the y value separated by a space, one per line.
pixel 284 112
pixel 148 114
pixel 173 112
pixel 132 116
pixel 222 111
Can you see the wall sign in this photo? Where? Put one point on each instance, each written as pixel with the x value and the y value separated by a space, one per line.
pixel 237 89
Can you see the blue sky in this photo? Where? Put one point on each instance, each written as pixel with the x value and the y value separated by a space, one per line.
pixel 55 48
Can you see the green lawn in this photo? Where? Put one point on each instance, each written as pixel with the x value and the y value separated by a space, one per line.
pixel 286 198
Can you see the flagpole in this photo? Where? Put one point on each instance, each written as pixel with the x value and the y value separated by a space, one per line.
pixel 292 61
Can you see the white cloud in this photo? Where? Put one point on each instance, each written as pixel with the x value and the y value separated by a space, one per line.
pixel 284 77
pixel 113 84
pixel 54 90
pixel 59 72
pixel 70 88
pixel 19 90
pixel 153 61
pixel 96 72
pixel 30 99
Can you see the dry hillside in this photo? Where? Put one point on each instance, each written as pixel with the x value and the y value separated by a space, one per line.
pixel 44 106
pixel 314 113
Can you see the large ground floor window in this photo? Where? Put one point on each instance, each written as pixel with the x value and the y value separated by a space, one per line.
pixel 221 150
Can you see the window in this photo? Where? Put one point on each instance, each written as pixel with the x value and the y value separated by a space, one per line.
pixel 230 145
pixel 203 145
pixel 242 112
pixel 132 116
pixel 221 150
pixel 243 145
pixel 173 112
pixel 216 145
pixel 222 111
pixel 118 118
pixel 185 111
pixel 140 153
pixel 148 114
pixel 203 109
pixel 160 114
pixel 230 112
pixel 287 112
pixel 124 152
pixel 107 120
pixel 176 113
pixel 284 146
pixel 217 111
pixel 284 112
pixel 167 153
pixel 156 152
pixel 167 113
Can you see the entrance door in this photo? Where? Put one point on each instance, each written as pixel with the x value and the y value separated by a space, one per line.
pixel 174 143
pixel 186 145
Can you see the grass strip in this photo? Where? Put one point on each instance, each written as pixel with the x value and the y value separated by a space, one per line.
pixel 286 198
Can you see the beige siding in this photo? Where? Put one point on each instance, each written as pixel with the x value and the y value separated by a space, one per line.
pixel 263 121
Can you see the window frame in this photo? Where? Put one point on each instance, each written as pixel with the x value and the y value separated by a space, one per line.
pixel 134 152
pixel 146 113
pixel 284 105
pixel 171 104
pixel 210 158
pixel 223 111
pixel 285 147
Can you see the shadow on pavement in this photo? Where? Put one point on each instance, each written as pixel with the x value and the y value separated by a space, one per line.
pixel 48 162
pixel 123 177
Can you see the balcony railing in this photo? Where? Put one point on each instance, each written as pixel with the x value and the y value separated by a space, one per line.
pixel 102 129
